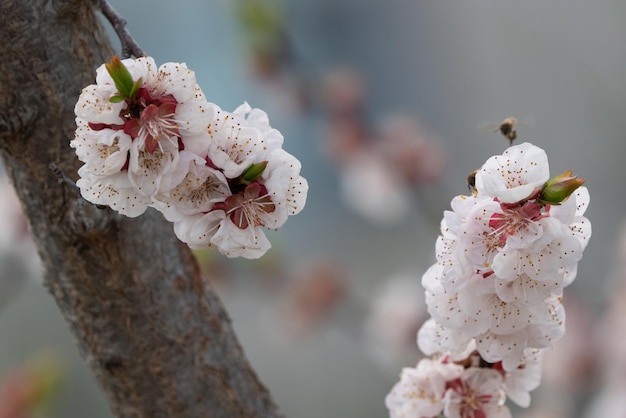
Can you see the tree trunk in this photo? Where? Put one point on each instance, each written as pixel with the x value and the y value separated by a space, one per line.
pixel 154 334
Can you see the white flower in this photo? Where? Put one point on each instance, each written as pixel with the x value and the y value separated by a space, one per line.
pixel 552 327
pixel 555 249
pixel 477 393
pixel 240 232
pixel 525 378
pixel 494 295
pixel 171 78
pixel 480 301
pixel 280 191
pixel 286 187
pixel 240 139
pixel 514 175
pixel 114 190
pixel 479 244
pixel 94 105
pixel 139 134
pixel 444 306
pixel 148 137
pixel 571 214
pixel 201 188
pixel 198 230
pixel 509 349
pixel 105 151
pixel 420 391
pixel 525 291
pixel 245 176
pixel 234 241
pixel 434 338
pixel 142 67
pixel 148 170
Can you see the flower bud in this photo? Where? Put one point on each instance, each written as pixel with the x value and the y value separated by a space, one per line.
pixel 123 80
pixel 559 188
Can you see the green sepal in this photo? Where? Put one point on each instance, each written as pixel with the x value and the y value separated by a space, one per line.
pixel 253 172
pixel 116 99
pixel 121 77
pixel 135 89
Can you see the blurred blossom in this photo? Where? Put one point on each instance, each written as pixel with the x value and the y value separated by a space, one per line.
pixel 18 255
pixel 416 155
pixel 372 188
pixel 347 132
pixel 569 365
pixel 613 326
pixel 609 401
pixel 14 231
pixel 345 138
pixel 271 55
pixel 378 166
pixel 263 24
pixel 397 312
pixel 31 390
pixel 344 91
pixel 545 412
pixel 313 297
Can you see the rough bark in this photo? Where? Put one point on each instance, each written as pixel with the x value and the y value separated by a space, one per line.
pixel 155 335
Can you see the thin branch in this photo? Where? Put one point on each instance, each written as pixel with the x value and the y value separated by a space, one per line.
pixel 129 45
pixel 63 178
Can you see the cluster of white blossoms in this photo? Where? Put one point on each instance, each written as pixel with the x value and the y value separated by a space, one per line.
pixel 149 138
pixel 494 295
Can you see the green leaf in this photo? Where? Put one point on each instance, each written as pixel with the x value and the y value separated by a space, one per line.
pixel 253 172
pixel 121 77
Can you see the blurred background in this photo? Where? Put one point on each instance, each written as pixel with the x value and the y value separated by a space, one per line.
pixel 389 105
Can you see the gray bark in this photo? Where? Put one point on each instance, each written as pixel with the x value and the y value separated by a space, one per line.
pixel 150 328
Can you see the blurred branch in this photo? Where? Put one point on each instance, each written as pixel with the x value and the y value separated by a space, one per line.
pixel 129 45
pixel 151 329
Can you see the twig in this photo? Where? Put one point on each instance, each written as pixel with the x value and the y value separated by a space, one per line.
pixel 63 178
pixel 129 45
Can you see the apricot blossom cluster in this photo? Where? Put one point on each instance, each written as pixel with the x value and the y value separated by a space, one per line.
pixel 494 295
pixel 148 137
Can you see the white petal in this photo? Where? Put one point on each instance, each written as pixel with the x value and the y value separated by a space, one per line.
pixel 514 175
pixel 114 191
pixel 236 242
pixel 94 105
pixel 176 79
pixel 197 230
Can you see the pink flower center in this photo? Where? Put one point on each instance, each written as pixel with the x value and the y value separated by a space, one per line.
pixel 248 207
pixel 154 124
pixel 472 402
pixel 514 220
pixel 148 118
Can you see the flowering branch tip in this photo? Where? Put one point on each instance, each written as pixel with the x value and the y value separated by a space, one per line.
pixel 494 295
